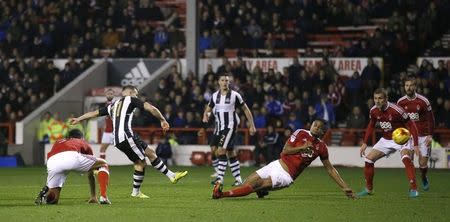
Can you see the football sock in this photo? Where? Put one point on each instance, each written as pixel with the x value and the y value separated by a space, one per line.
pixel 138 178
pixel 240 191
pixel 103 180
pixel 103 155
pixel 215 163
pixel 159 165
pixel 410 172
pixel 423 171
pixel 222 166
pixel 369 173
pixel 235 169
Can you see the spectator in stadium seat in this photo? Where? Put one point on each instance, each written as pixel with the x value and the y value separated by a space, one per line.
pixel 294 122
pixel 370 76
pixel 324 109
pixel 356 120
pixel 273 106
pixel 164 151
pixel 443 116
pixel 353 88
pixel 260 116
pixel 204 41
pixel 268 147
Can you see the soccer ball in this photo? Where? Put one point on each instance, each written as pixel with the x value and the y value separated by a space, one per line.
pixel 401 136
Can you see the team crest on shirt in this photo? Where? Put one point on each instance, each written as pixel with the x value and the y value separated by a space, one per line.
pixel 390 118
pixel 406 107
pixel 227 100
pixel 418 107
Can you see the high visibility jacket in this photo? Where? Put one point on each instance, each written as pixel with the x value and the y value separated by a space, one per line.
pixel 57 130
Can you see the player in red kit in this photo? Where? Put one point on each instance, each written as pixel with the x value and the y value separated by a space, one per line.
pixel 73 153
pixel 107 137
pixel 419 110
pixel 389 117
pixel 299 151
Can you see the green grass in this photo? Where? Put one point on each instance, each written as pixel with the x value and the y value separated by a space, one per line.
pixel 313 197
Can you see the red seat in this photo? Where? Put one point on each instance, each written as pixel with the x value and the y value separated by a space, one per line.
pixel 198 158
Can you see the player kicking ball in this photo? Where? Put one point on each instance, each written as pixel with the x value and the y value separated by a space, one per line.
pixel 300 150
pixel 73 154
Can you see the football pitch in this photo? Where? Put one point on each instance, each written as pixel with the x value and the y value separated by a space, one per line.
pixel 313 197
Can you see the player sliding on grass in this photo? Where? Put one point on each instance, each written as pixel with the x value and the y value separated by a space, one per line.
pixel 69 154
pixel 299 151
pixel 121 113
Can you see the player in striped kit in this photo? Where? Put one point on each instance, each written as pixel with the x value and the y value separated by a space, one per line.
pixel 419 110
pixel 223 105
pixel 389 117
pixel 121 113
pixel 107 137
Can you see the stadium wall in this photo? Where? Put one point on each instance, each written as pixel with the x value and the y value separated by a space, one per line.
pixel 345 66
pixel 69 99
pixel 339 156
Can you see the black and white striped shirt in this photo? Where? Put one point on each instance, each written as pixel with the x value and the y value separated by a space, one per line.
pixel 121 113
pixel 224 109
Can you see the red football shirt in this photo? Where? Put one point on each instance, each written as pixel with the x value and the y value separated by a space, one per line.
pixel 389 119
pixel 419 111
pixel 296 163
pixel 71 144
pixel 108 121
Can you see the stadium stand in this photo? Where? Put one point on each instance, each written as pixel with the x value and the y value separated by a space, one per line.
pixel 32 32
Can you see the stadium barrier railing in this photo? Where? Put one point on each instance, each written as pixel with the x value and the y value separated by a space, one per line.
pixel 345 137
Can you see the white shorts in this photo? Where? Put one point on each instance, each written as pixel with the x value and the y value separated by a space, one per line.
pixel 389 146
pixel 274 170
pixel 424 149
pixel 59 165
pixel 108 138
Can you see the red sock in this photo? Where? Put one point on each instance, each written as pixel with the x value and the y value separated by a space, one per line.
pixel 424 172
pixel 369 172
pixel 410 172
pixel 243 190
pixel 103 180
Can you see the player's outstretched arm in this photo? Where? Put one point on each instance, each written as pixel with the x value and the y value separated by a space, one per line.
pixel 85 116
pixel 91 180
pixel 338 179
pixel 156 113
pixel 288 149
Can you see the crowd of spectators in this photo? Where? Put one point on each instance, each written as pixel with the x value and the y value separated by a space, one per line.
pixel 293 98
pixel 26 84
pixel 61 29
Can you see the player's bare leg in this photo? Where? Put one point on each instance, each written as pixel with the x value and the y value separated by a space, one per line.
pixel 369 170
pixel 158 164
pixel 138 178
pixel 406 156
pixel 103 148
pixel 235 167
pixel 254 183
pixel 102 169
pixel 423 166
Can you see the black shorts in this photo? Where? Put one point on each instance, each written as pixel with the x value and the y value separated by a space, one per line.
pixel 224 139
pixel 133 147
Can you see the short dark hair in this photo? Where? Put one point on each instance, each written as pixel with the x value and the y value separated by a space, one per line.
pixel 381 91
pixel 130 87
pixel 75 133
pixel 223 74
pixel 323 121
pixel 410 77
